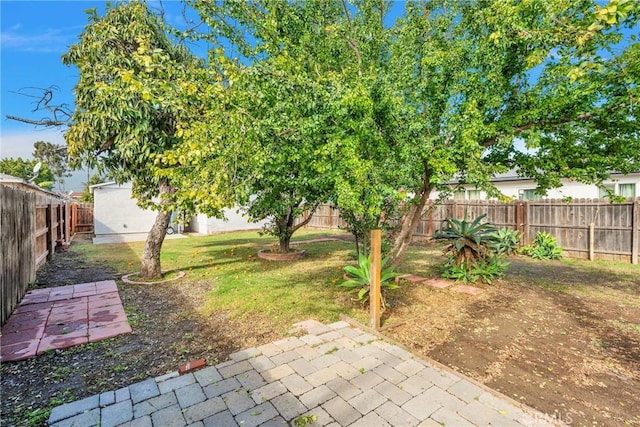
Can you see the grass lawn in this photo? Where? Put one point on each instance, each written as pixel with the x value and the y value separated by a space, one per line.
pixel 242 284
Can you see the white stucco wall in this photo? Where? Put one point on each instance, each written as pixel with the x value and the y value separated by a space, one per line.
pixel 569 188
pixel 234 221
pixel 116 212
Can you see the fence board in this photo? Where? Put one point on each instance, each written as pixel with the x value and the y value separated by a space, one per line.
pixel 32 224
pixel 616 231
pixel 17 264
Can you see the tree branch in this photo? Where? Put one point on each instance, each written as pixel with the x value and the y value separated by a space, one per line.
pixel 350 42
pixel 44 122
pixel 519 129
pixel 306 220
pixel 58 112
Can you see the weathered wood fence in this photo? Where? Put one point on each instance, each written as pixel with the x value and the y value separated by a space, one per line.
pixel 614 228
pixel 32 225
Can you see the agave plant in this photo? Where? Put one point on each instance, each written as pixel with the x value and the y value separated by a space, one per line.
pixel 359 278
pixel 544 246
pixel 506 242
pixel 469 242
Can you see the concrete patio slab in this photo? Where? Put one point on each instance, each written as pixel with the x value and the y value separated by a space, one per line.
pixel 359 379
pixel 51 318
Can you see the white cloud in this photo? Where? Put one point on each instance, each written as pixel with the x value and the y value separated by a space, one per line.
pixel 48 41
pixel 20 143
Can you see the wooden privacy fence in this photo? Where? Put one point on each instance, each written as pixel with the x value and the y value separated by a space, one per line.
pixel 584 228
pixel 32 224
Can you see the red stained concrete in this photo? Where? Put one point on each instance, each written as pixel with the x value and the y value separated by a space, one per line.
pixel 62 317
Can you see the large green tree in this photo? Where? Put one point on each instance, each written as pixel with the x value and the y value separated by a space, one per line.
pixel 538 86
pixel 137 91
pixel 452 89
pixel 280 102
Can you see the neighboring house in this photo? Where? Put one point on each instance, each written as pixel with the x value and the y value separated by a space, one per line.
pixel 235 221
pixel 118 218
pixel 513 186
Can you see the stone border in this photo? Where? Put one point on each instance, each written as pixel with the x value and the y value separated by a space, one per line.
pixel 269 255
pixel 128 281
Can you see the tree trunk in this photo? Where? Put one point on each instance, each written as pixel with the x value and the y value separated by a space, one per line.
pixel 284 244
pixel 150 268
pixel 410 222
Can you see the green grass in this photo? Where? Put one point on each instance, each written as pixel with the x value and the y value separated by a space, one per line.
pixel 243 284
pixel 248 287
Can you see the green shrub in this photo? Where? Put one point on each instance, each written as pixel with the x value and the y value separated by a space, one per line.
pixel 483 271
pixel 475 249
pixel 358 278
pixel 544 246
pixel 506 242
pixel 469 242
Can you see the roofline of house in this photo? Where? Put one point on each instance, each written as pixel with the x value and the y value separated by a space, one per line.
pixel 524 178
pixel 10 179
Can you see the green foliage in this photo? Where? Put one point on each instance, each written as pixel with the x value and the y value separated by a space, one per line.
pixel 469 241
pixel 304 420
pixel 544 246
pixel 21 168
pixel 485 271
pixel 87 195
pixel 475 249
pixel 506 242
pixel 55 157
pixel 359 278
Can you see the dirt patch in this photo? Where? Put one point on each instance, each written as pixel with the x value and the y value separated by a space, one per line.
pixel 563 340
pixel 168 331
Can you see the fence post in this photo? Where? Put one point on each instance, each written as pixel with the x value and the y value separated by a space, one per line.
pixel 592 243
pixel 635 231
pixel 374 290
pixel 74 218
pixel 51 232
pixel 525 224
pixel 67 223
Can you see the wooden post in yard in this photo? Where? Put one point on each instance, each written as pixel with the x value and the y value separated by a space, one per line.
pixel 592 243
pixel 635 231
pixel 374 290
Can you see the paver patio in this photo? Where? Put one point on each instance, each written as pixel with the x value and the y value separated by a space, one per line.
pixel 333 375
pixel 61 317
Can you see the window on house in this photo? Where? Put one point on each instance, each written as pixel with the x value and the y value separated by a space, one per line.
pixel 528 194
pixel 474 195
pixel 602 191
pixel 627 190
pixel 458 195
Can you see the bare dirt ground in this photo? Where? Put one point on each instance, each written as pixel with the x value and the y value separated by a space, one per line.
pixel 167 333
pixel 563 340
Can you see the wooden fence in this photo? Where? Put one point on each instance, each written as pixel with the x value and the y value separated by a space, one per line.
pixel 584 228
pixel 82 218
pixel 32 224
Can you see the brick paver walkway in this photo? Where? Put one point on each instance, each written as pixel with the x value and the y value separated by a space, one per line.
pixel 61 317
pixel 335 375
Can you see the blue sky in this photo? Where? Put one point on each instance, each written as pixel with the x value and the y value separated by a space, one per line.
pixel 34 35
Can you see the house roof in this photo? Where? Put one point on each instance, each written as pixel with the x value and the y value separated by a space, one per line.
pixel 103 184
pixel 22 183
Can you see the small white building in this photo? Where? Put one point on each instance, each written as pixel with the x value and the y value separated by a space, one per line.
pixel 118 218
pixel 518 188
